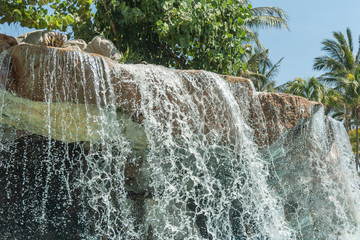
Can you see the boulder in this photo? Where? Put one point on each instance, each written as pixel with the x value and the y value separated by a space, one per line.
pixel 282 112
pixel 76 44
pixel 35 37
pixel 103 47
pixel 5 73
pixel 7 41
pixel 97 45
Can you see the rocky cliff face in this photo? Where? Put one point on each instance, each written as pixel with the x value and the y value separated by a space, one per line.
pixel 93 148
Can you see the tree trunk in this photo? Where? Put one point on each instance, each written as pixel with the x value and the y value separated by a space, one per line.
pixel 357 137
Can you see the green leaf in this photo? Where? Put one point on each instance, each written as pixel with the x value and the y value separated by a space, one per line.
pixel 42 23
pixel 244 66
pixel 69 19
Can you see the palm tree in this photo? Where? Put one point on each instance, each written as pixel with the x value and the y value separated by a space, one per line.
pixel 342 70
pixel 260 69
pixel 264 17
pixel 349 87
pixel 311 89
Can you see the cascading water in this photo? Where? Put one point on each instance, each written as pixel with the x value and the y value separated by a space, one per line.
pixel 311 171
pixel 157 154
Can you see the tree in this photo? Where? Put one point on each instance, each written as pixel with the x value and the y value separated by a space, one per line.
pixel 264 17
pixel 260 69
pixel 311 89
pixel 352 137
pixel 175 33
pixel 340 59
pixel 342 70
pixel 35 14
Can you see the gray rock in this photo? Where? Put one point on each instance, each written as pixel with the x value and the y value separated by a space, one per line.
pixel 103 47
pixel 35 37
pixel 76 44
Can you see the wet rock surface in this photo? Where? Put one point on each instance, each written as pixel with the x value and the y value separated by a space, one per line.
pixel 72 186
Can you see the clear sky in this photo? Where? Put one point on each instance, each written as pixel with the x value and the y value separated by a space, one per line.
pixel 311 21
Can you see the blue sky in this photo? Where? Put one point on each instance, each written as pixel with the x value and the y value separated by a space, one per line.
pixel 311 21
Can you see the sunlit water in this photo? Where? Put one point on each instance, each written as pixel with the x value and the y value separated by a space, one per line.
pixel 178 162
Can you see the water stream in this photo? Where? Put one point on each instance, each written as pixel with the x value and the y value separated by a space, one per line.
pixel 162 154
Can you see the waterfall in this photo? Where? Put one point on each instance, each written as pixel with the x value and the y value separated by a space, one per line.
pixel 91 149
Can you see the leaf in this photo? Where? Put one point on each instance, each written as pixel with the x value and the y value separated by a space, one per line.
pixel 244 66
pixel 69 19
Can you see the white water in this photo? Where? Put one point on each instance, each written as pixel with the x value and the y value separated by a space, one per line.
pixel 201 175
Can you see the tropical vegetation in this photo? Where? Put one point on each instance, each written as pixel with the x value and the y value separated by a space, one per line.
pixel 182 34
pixel 342 71
pixel 50 14
pixel 264 17
pixel 311 89
pixel 260 69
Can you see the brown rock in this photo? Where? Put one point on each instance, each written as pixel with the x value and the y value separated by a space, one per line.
pixel 7 41
pixel 69 77
pixel 282 112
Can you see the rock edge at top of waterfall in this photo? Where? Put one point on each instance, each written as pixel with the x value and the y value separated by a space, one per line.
pixel 28 80
pixel 97 45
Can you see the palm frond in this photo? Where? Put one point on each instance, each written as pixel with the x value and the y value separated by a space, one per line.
pixel 334 50
pixel 350 41
pixel 326 63
pixel 358 52
pixel 265 21
pixel 253 36
pixel 274 70
pixel 272 11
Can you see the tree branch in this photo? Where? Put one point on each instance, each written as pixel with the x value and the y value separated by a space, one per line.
pixel 111 21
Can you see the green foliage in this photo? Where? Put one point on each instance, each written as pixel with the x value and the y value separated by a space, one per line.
pixel 260 69
pixel 340 60
pixel 311 89
pixel 264 17
pixel 201 34
pixel 342 71
pixel 50 14
pixel 352 137
pixel 130 56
